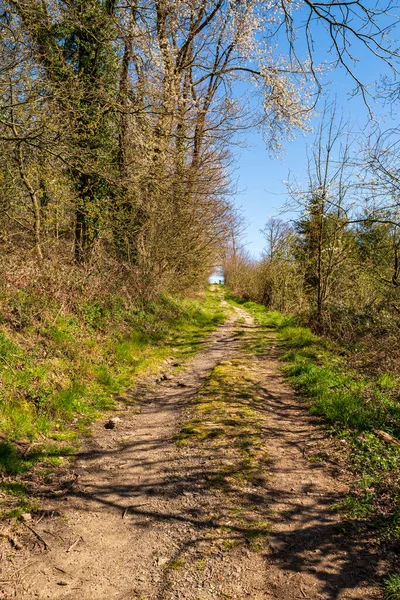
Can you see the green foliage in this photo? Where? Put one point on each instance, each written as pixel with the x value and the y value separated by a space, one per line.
pixel 356 407
pixel 358 506
pixel 73 364
pixel 176 563
pixel 391 587
pixel 16 460
pixel 272 319
pixel 388 381
pixel 8 350
pixel 11 461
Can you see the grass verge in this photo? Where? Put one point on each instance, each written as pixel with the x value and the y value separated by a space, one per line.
pixel 364 413
pixel 60 370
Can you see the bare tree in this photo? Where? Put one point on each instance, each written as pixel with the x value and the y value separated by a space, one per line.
pixel 324 206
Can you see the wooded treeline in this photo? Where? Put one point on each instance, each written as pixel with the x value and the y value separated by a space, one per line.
pixel 336 262
pixel 106 150
pixel 115 129
pixel 116 121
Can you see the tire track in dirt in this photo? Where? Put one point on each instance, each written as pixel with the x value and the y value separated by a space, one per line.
pixel 143 523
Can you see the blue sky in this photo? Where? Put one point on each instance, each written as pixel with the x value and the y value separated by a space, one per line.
pixel 261 191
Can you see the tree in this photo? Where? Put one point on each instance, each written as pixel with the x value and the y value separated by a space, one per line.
pixel 145 101
pixel 324 242
pixel 73 44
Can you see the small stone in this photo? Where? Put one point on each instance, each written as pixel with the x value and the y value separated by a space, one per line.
pixel 167 377
pixel 26 517
pixel 275 545
pixel 343 489
pixel 15 543
pixel 112 423
pixel 259 478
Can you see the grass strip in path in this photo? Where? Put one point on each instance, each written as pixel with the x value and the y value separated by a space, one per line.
pixel 226 421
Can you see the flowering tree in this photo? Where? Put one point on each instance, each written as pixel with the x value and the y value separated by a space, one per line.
pixel 146 97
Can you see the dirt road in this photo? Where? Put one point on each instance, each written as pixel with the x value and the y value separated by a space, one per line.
pixel 140 518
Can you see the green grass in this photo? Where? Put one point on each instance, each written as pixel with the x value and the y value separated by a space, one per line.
pixel 74 364
pixel 60 372
pixel 15 462
pixel 342 396
pixel 391 587
pixel 226 412
pixel 176 563
pixel 354 407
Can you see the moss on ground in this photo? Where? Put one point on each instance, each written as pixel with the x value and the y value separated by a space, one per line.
pixel 226 417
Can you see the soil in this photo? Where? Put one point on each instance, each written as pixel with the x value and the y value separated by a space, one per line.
pixel 137 518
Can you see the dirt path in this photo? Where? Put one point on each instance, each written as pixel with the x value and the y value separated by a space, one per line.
pixel 143 522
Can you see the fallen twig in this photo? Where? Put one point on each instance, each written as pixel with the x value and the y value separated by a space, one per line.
pixel 76 542
pixel 47 514
pixel 67 487
pixel 58 314
pixel 61 570
pixel 126 510
pixel 34 562
pixel 386 437
pixel 39 537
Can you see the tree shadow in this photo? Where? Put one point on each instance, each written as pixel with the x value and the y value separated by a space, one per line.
pixel 196 490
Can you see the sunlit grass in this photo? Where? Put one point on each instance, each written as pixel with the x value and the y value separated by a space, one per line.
pixel 75 364
pixel 69 368
pixel 225 412
pixel 356 408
